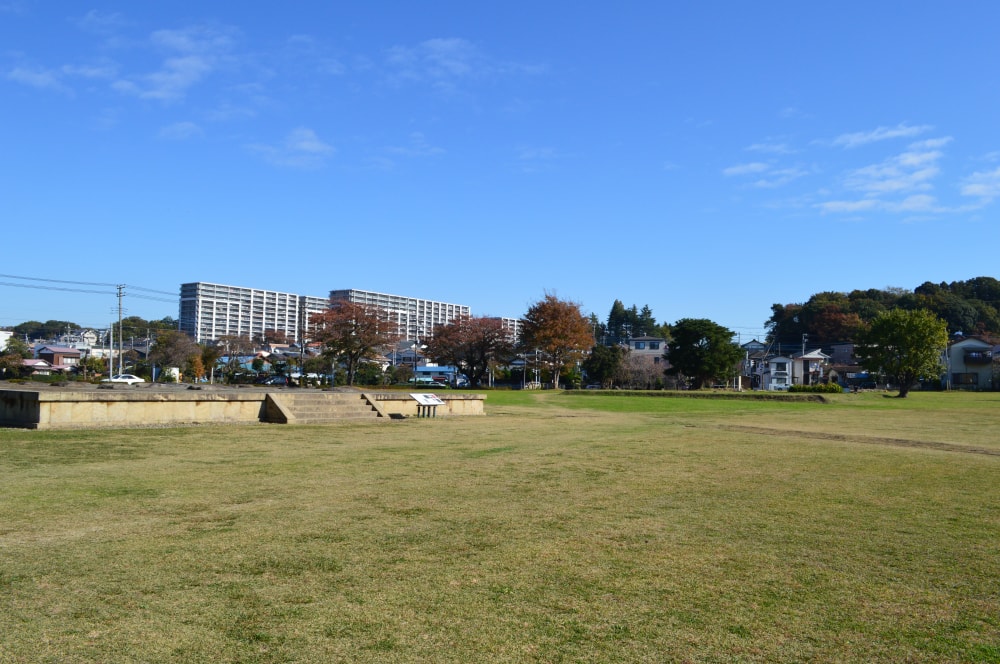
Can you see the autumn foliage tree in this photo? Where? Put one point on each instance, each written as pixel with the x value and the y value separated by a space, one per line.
pixel 471 344
pixel 352 332
pixel 558 329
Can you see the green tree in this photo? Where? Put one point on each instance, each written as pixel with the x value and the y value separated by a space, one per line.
pixel 603 364
pixel 16 346
pixel 904 345
pixel 702 351
pixel 173 348
pixel 558 329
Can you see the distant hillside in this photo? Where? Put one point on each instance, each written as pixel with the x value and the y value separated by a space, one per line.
pixel 970 307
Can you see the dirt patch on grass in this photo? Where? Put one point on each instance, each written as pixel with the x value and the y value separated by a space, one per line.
pixel 867 440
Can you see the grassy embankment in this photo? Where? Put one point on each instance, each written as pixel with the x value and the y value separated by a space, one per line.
pixel 560 527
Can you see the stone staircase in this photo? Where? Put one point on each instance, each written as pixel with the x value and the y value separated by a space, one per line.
pixel 308 407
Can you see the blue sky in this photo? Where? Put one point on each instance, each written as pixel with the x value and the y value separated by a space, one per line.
pixel 707 159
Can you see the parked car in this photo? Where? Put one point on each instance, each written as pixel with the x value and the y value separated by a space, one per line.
pixel 273 380
pixel 128 379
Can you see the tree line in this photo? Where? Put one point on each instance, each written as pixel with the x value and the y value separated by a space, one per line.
pixel 971 307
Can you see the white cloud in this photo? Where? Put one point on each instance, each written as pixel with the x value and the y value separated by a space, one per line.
pixel 779 177
pixel 195 52
pixel 984 185
pixel 537 159
pixel 446 62
pixel 746 169
pixel 306 141
pixel 910 204
pixel 104 71
pixel 302 148
pixel 101 23
pixel 43 79
pixel 771 148
pixel 858 139
pixel 848 206
pixel 418 146
pixel 907 171
pixel 194 39
pixel 180 131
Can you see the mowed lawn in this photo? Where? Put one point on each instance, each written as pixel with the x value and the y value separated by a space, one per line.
pixel 557 528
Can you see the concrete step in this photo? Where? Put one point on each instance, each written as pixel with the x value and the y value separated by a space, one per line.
pixel 317 408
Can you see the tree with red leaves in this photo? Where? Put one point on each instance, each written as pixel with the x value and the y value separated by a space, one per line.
pixel 558 329
pixel 352 332
pixel 471 344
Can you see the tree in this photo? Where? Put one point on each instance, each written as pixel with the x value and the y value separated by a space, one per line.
pixel 352 332
pixel 11 365
pixel 50 329
pixel 235 348
pixel 701 350
pixel 604 364
pixel 16 346
pixel 210 355
pixel 642 372
pixel 904 345
pixel 559 329
pixel 173 348
pixel 471 344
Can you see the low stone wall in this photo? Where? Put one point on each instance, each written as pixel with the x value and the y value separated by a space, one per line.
pixel 401 404
pixel 54 408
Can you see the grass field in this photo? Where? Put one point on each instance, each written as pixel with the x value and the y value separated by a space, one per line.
pixel 558 528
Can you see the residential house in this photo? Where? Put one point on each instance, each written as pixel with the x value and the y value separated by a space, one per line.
pixel 645 346
pixel 970 364
pixel 779 372
pixel 59 357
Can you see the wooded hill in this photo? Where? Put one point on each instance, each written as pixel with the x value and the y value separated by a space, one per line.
pixel 970 307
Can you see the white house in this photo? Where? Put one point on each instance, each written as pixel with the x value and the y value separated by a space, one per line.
pixel 970 364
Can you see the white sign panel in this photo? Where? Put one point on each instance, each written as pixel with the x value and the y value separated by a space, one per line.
pixel 428 399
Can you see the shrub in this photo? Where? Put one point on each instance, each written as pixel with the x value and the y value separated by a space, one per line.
pixel 822 388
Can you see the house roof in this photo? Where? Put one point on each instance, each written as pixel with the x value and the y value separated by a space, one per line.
pixel 58 350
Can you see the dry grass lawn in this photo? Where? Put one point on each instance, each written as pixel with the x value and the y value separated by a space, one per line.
pixel 558 528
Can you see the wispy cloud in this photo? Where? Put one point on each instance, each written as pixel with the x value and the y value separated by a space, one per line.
pixel 101 23
pixel 779 177
pixel 898 184
pixel 983 185
pixel 746 169
pixel 418 146
pixel 536 159
pixel 918 203
pixel 180 131
pixel 770 176
pixel 909 171
pixel 446 62
pixel 858 139
pixel 192 54
pixel 302 148
pixel 38 77
pixel 771 148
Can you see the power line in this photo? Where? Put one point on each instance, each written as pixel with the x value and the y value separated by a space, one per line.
pixel 55 281
pixel 87 283
pixel 57 288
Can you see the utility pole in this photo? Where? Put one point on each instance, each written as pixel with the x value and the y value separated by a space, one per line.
pixel 121 343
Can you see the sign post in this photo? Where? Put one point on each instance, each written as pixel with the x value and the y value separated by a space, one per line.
pixel 427 404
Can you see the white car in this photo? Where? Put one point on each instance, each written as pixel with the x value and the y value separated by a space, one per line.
pixel 128 379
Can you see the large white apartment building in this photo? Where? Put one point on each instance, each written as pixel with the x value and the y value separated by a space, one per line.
pixel 209 311
pixel 415 318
